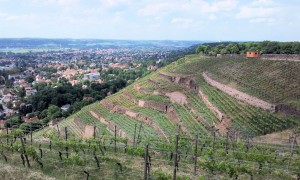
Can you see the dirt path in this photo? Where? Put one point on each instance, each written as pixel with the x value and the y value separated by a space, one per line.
pixel 102 120
pixel 240 95
pixel 224 125
pixel 212 107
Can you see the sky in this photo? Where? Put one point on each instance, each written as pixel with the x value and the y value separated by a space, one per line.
pixel 214 20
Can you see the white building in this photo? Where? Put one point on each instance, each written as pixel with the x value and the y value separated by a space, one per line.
pixel 7 67
pixel 30 91
pixel 92 76
pixel 15 76
pixel 65 107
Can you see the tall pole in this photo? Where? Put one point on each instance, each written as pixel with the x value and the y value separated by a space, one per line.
pixel 146 163
pixel 196 147
pixel 31 133
pixel 115 138
pixel 94 132
pixel 66 134
pixel 7 135
pixel 134 135
pixel 175 159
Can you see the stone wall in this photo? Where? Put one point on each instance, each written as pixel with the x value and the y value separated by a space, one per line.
pixel 107 104
pixel 292 57
pixel 287 109
pixel 281 56
pixel 152 105
pixel 240 95
pixel 145 103
pixel 159 92
pixel 186 81
pixel 231 56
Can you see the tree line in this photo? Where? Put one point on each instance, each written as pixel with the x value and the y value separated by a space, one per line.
pixel 265 47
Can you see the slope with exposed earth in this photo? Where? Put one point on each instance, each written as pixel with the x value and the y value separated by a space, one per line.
pixel 183 118
pixel 179 98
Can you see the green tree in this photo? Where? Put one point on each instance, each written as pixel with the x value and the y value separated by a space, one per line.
pixel 29 79
pixel 21 92
pixel 52 110
pixel 202 49
pixel 13 122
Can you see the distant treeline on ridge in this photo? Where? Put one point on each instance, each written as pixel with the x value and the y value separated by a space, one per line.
pixel 265 47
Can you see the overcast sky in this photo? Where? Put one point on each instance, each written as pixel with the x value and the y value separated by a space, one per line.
pixel 235 20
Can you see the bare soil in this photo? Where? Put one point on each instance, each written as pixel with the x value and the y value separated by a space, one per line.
pixel 177 97
pixel 240 95
pixel 281 138
pixel 224 125
pixel 88 131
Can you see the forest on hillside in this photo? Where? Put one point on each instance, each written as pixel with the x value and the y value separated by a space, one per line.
pixel 265 47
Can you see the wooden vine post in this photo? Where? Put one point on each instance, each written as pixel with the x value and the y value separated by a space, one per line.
pixel 31 133
pixel 115 138
pixel 24 151
pixel 66 136
pixel 195 155
pixel 94 132
pixel 146 167
pixel 134 135
pixel 292 148
pixel 138 137
pixel 175 159
pixel 7 135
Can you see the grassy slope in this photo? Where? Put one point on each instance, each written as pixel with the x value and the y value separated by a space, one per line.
pixel 247 119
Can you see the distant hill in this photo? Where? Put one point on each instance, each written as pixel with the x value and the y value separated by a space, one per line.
pixel 42 43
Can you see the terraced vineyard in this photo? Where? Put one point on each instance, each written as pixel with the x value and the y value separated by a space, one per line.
pixel 178 100
pixel 273 81
pixel 194 115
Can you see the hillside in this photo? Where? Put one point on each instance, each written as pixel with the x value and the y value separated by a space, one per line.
pixel 168 102
pixel 223 102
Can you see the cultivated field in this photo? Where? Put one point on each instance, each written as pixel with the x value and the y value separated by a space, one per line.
pixel 216 130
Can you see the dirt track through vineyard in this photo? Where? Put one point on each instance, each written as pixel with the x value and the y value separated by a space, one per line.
pixel 239 95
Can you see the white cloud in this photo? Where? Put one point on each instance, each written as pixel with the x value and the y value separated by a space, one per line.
pixel 198 6
pixel 251 12
pixel 186 23
pixel 262 3
pixel 64 3
pixel 155 9
pixel 259 10
pixel 269 21
pixel 2 14
pixel 212 17
pixel 20 17
pixel 223 5
pixel 111 3
pixel 181 20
